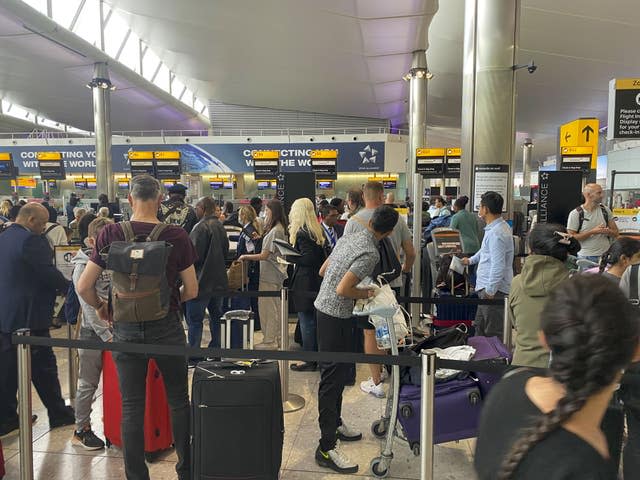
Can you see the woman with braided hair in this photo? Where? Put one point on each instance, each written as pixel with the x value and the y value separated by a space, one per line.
pixel 536 426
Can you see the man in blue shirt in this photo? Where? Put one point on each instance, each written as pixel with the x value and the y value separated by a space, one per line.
pixel 495 265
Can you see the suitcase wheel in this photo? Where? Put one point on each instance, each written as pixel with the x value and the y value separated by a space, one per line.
pixel 406 411
pixel 379 428
pixel 379 467
pixel 474 398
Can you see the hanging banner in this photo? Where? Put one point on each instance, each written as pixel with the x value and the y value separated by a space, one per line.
pixel 452 164
pixel 490 178
pixel 430 162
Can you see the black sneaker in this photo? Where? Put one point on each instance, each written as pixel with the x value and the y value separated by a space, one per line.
pixel 87 439
pixel 66 417
pixel 335 460
pixel 304 367
pixel 8 427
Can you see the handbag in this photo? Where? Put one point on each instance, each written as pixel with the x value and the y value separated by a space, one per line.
pixel 234 275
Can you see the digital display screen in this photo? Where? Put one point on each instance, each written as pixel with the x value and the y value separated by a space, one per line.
pixel 80 184
pixel 91 184
pixel 451 191
pixel 325 185
pixel 264 185
pixel 168 183
pixel 123 184
pixel 229 185
pixel 53 184
pixel 433 191
pixel 216 185
pixel 6 169
pixel 389 184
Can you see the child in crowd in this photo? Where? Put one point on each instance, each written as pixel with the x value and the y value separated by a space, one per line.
pixel 92 328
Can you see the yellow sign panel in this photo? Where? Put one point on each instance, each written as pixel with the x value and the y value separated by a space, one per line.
pixel 166 155
pixel 49 156
pixel 582 132
pixel 430 152
pixel 577 150
pixel 454 152
pixel 5 156
pixel 627 83
pixel 624 211
pixel 140 155
pixel 324 153
pixel 29 182
pixel 265 154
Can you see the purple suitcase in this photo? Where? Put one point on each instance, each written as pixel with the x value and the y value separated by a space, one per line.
pixel 489 348
pixel 456 414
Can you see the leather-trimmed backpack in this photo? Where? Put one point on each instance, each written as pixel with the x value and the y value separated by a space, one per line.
pixel 140 291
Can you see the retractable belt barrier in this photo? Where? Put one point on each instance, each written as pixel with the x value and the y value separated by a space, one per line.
pixel 427 361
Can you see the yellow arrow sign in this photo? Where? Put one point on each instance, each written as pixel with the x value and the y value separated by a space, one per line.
pixel 582 132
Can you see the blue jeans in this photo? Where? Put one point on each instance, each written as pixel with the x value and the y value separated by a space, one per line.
pixel 591 258
pixel 195 318
pixel 308 329
pixel 132 374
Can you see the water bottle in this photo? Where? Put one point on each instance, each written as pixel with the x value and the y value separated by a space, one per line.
pixel 382 332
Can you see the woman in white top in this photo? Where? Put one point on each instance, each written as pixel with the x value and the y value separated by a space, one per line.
pixel 272 274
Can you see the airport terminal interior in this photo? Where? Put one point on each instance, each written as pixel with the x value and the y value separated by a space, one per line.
pixel 246 101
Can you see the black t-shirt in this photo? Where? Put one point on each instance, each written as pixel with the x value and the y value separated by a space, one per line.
pixel 562 455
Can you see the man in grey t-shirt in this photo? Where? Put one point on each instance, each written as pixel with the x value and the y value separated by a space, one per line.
pixel 402 243
pixel 353 258
pixel 596 232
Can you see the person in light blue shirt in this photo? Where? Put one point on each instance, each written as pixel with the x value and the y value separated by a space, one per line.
pixel 495 265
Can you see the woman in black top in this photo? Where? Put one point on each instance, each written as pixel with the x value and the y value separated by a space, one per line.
pixel 539 427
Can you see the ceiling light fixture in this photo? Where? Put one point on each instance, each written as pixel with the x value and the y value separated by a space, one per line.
pixel 417 73
pixel 103 83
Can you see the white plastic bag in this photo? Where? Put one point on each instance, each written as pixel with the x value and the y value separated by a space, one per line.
pixel 384 298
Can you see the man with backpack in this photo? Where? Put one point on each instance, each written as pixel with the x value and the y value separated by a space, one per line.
pixel 146 309
pixel 175 211
pixel 592 224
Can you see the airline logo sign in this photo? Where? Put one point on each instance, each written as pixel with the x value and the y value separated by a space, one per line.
pixel 582 132
pixel 325 162
pixel 430 162
pixel 266 163
pixel 51 166
pixel 624 108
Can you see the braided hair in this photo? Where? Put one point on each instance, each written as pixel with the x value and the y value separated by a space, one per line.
pixel 626 246
pixel 592 332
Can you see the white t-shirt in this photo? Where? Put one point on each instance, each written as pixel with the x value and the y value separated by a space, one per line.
pixel 595 245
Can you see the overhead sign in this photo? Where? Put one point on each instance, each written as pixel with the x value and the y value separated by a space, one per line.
pixel 576 159
pixel 7 170
pixel 24 182
pixel 168 165
pixel 452 164
pixel 582 132
pixel 266 163
pixel 141 163
pixel 51 166
pixel 624 108
pixel 490 178
pixel 325 162
pixel 430 162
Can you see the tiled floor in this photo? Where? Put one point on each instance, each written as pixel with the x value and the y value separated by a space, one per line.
pixel 56 459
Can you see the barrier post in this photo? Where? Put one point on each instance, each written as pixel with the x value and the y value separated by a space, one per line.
pixel 24 408
pixel 427 403
pixel 507 331
pixel 72 374
pixel 290 401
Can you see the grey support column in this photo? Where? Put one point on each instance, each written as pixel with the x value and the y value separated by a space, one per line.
pixel 101 87
pixel 488 88
pixel 417 77
pixel 527 153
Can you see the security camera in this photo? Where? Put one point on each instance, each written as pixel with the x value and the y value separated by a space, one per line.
pixel 532 67
pixel 333 138
pixel 528 142
pixel 186 140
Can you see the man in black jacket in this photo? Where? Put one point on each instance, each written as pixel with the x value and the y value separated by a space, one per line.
pixel 212 246
pixel 28 285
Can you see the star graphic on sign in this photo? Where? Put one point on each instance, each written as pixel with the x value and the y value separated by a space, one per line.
pixel 368 155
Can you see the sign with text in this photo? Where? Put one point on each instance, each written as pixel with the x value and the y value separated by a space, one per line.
pixel 63 259
pixel 582 132
pixel 624 108
pixel 7 169
pixel 324 162
pixel 168 165
pixel 430 162
pixel 558 194
pixel 266 163
pixel 452 165
pixel 490 178
pixel 24 182
pixel 141 163
pixel 576 159
pixel 51 166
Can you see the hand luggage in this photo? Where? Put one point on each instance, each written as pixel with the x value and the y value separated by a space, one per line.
pixel 157 418
pixel 239 337
pixel 237 421
pixel 456 413
pixel 451 284
pixel 494 351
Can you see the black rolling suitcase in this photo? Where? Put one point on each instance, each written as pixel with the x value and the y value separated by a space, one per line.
pixel 238 423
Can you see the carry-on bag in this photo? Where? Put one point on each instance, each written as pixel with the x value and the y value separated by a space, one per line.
pixel 493 351
pixel 237 421
pixel 451 284
pixel 157 417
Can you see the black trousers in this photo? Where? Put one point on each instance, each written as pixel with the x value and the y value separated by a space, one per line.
pixel 44 375
pixel 334 335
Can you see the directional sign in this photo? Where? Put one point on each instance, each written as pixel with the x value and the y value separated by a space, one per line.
pixel 576 159
pixel 141 163
pixel 430 162
pixel 582 132
pixel 624 108
pixel 51 166
pixel 168 165
pixel 266 164
pixel 452 165
pixel 325 162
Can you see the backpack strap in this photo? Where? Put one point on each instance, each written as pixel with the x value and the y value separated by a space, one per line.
pixel 634 293
pixel 127 229
pixel 605 215
pixel 51 227
pixel 156 232
pixel 580 211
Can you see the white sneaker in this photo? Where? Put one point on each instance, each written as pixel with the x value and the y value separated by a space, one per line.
pixel 368 386
pixel 347 434
pixel 384 375
pixel 336 460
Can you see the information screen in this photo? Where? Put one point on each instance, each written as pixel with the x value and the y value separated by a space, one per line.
pixel 6 169
pixel 325 185
pixel 215 185
pixel 389 184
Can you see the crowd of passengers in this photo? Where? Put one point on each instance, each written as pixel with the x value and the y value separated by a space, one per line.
pixel 556 424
